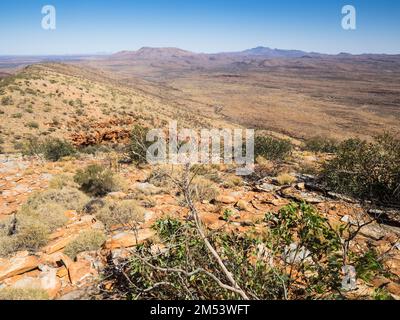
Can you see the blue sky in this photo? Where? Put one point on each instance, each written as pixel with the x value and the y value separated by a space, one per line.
pixel 93 26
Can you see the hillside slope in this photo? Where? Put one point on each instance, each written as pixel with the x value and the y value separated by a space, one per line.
pixel 79 104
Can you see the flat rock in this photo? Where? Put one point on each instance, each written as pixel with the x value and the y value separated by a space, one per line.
pixel 226 199
pixel 267 187
pixel 59 244
pixel 81 271
pixel 129 239
pixel 18 265
pixel 373 231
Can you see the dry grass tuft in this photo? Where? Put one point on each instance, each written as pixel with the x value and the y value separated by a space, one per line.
pixel 285 179
pixel 89 240
pixel 126 212
pixel 23 294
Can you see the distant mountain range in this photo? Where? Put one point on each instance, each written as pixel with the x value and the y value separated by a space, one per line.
pixel 258 52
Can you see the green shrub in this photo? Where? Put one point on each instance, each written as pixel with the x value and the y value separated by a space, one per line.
pixel 89 240
pixel 54 149
pixel 366 170
pixel 187 251
pixel 321 144
pixel 271 149
pixel 300 256
pixel 126 212
pixel 23 294
pixel 96 180
pixel 368 265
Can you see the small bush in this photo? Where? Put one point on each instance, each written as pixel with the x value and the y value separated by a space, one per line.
pixel 63 181
pixel 68 198
pixel 162 176
pixel 138 146
pixel 89 240
pixel 55 149
pixel 23 294
pixel 8 245
pixel 321 144
pixel 265 167
pixel 17 115
pixel 202 189
pixel 31 233
pixel 271 149
pixel 126 212
pixel 191 255
pixel 366 170
pixel 96 180
pixel 7 101
pixel 33 125
pixel 232 181
pixel 50 214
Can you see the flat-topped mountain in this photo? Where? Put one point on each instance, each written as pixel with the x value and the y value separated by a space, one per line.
pixel 153 53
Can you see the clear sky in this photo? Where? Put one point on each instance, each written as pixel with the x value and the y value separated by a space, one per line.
pixel 94 26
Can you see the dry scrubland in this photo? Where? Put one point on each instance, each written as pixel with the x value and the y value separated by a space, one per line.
pixel 83 217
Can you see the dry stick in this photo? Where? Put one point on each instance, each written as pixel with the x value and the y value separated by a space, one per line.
pixel 195 215
pixel 198 270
